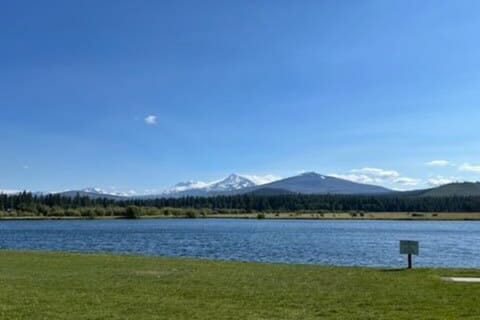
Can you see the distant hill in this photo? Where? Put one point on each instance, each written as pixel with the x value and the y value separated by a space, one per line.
pixel 461 189
pixel 314 183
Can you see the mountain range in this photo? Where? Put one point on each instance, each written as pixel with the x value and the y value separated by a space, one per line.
pixel 305 183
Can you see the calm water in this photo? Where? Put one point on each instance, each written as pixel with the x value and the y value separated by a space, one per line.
pixel 365 243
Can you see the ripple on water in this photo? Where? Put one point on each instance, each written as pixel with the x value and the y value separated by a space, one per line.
pixel 362 243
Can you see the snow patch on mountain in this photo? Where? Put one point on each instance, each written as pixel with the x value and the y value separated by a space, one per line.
pixel 110 191
pixel 9 191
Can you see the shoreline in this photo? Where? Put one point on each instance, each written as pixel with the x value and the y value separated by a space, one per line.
pixel 113 254
pixel 337 216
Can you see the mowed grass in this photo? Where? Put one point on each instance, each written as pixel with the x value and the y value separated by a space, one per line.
pixel 82 286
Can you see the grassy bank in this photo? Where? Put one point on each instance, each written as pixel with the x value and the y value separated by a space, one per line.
pixel 71 286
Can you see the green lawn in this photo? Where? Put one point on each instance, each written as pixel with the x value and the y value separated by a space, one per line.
pixel 74 286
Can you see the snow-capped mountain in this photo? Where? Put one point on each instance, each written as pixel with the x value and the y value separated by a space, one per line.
pixel 231 183
pixel 198 188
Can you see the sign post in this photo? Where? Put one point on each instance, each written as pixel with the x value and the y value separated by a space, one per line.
pixel 409 247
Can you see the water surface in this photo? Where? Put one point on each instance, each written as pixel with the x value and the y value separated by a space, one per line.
pixel 359 243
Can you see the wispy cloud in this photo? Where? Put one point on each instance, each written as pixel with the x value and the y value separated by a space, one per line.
pixel 441 180
pixel 378 176
pixel 151 120
pixel 438 163
pixel 470 167
pixel 406 181
pixel 361 178
pixel 377 172
pixel 262 179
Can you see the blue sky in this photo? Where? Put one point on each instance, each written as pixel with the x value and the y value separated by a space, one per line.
pixel 369 90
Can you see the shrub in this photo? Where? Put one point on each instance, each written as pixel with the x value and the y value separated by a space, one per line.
pixel 72 213
pixel 87 212
pixel 261 216
pixel 99 212
pixel 118 212
pixel 132 212
pixel 56 212
pixel 43 210
pixel 190 214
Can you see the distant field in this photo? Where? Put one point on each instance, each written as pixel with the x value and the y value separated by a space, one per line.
pixel 360 216
pixel 73 286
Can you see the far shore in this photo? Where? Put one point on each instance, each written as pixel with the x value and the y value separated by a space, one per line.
pixel 414 216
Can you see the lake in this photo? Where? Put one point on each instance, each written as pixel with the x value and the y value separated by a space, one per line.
pixel 346 243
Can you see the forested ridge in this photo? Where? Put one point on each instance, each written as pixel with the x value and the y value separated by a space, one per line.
pixel 27 204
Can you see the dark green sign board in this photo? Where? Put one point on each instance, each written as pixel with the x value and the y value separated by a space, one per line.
pixel 409 247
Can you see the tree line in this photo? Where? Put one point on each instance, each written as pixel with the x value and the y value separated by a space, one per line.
pixel 27 204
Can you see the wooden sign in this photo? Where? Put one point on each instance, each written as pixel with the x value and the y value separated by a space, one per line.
pixel 409 247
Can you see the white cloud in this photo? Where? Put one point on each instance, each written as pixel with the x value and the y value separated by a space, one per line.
pixel 378 176
pixel 377 173
pixel 361 178
pixel 470 167
pixel 151 119
pixel 406 181
pixel 261 179
pixel 438 163
pixel 440 180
